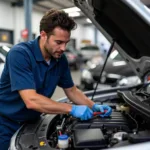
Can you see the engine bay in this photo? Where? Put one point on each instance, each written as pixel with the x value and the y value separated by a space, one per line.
pixel 127 125
pixel 118 130
pixel 95 133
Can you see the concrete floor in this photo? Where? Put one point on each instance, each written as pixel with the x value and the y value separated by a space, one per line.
pixel 59 93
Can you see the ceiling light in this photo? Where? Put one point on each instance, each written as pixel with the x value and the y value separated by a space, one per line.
pixel 74 14
pixel 88 20
pixel 113 54
pixel 71 9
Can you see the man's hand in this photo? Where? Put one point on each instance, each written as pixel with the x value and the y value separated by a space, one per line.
pixel 81 111
pixel 101 108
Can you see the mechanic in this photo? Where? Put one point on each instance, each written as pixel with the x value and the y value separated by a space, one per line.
pixel 32 71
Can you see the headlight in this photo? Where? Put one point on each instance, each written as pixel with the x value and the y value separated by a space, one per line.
pixel 86 74
pixel 90 65
pixel 133 80
pixel 95 61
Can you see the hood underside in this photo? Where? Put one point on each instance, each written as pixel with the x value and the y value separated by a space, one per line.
pixel 128 23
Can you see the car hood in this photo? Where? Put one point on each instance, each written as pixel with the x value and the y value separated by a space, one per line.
pixel 128 23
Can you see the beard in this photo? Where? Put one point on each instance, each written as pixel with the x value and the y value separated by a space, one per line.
pixel 47 51
pixel 51 52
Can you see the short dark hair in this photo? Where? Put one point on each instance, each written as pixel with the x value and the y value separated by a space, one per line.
pixel 56 18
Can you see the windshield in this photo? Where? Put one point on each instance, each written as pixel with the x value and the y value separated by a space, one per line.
pixel 90 48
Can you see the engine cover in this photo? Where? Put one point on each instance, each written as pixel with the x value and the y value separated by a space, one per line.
pixel 89 138
pixel 116 122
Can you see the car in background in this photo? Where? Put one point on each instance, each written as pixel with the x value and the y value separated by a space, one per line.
pixel 74 57
pixel 4 49
pixel 129 81
pixel 89 51
pixel 116 68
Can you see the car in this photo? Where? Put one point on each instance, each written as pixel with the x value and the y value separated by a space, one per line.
pixel 126 24
pixel 116 68
pixel 88 51
pixel 74 57
pixel 131 80
pixel 4 49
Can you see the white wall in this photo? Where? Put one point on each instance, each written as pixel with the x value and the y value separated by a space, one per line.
pixel 78 34
pixel 13 18
pixel 6 16
pixel 89 33
pixel 20 22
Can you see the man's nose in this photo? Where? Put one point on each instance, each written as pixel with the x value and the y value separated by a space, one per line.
pixel 63 47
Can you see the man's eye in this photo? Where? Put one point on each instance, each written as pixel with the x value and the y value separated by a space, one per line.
pixel 58 42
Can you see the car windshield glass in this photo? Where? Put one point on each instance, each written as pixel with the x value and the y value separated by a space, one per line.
pixel 90 48
pixel 4 49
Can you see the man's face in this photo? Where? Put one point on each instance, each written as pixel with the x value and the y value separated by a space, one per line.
pixel 55 45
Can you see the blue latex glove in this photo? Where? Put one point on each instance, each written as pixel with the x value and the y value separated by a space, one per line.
pixel 81 111
pixel 101 108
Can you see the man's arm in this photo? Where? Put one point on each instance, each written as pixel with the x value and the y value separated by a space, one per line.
pixel 78 97
pixel 43 104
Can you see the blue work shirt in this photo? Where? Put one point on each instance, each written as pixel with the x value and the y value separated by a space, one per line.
pixel 25 68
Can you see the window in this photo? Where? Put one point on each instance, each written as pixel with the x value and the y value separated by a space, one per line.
pixel 90 48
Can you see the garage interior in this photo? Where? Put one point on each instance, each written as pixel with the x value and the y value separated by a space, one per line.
pixel 25 14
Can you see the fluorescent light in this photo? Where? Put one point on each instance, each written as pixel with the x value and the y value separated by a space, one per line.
pixel 88 20
pixel 119 63
pixel 113 54
pixel 74 14
pixel 71 9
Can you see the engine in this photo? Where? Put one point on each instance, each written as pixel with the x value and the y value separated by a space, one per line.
pixel 127 125
pixel 123 127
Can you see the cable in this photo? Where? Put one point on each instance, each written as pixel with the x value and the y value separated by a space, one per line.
pixel 137 126
pixel 110 49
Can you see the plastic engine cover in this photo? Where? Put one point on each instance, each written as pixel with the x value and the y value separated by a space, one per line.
pixel 89 138
pixel 116 121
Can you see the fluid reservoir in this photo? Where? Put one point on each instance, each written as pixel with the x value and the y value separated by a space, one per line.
pixel 63 141
pixel 122 108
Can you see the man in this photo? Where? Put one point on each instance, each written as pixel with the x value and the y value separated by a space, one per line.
pixel 32 71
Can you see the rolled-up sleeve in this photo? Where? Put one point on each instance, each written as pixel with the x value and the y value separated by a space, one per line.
pixel 19 66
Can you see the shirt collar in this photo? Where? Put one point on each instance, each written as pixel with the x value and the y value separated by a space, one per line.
pixel 37 51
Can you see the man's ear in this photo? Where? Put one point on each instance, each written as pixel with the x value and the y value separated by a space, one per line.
pixel 43 35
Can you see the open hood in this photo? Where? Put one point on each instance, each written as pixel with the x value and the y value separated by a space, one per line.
pixel 128 23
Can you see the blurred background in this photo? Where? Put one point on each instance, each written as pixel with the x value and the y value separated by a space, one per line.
pixel 86 51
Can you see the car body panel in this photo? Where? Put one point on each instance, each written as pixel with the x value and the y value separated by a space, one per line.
pixel 116 68
pixel 74 57
pixel 89 51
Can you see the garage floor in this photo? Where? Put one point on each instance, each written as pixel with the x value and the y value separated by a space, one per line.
pixel 59 93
